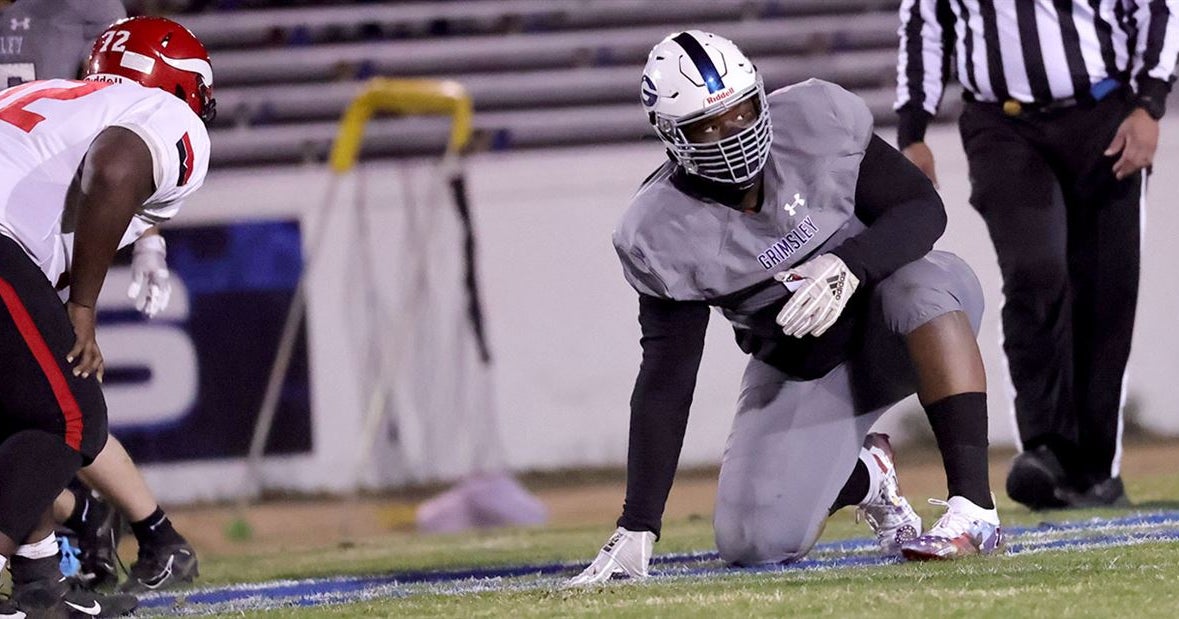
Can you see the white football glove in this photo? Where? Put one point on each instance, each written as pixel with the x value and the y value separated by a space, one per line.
pixel 151 284
pixel 822 286
pixel 626 552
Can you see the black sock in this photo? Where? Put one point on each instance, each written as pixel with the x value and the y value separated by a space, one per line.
pixel 82 508
pixel 26 570
pixel 856 488
pixel 156 530
pixel 960 425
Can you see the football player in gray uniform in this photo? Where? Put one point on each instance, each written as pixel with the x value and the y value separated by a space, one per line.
pixel 43 39
pixel 814 238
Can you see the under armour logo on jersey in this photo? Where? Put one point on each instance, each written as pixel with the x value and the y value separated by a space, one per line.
pixel 793 206
pixel 21 24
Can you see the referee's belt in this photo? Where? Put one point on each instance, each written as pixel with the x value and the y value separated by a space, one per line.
pixel 1099 91
pixel 1013 107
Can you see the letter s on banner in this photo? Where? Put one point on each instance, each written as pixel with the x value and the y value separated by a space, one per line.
pixel 159 346
pixel 168 354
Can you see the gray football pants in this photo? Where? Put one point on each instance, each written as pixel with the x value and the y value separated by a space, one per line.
pixel 795 443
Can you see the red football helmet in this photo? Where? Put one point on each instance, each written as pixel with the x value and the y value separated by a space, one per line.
pixel 158 53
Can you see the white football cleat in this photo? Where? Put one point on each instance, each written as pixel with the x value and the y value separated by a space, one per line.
pixel 888 513
pixel 965 529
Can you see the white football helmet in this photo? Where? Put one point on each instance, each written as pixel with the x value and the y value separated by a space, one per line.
pixel 693 75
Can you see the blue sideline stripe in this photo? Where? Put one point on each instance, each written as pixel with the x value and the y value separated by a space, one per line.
pixel 312 591
pixel 1012 549
pixel 854 545
pixel 703 62
pixel 1088 542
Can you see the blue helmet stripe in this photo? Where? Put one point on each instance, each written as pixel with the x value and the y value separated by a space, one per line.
pixel 712 78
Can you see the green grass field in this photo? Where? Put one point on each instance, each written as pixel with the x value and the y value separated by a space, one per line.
pixel 1101 581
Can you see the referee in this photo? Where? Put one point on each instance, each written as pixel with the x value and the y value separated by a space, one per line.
pixel 1060 125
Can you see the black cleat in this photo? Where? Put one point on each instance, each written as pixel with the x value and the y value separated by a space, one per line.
pixel 9 609
pixel 1108 493
pixel 161 568
pixel 59 598
pixel 1037 479
pixel 99 542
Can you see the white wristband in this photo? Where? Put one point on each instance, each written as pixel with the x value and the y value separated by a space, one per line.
pixel 151 243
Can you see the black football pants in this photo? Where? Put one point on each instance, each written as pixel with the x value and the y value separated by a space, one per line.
pixel 1067 235
pixel 51 422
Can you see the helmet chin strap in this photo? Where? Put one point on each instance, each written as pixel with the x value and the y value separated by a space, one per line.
pixel 209 113
pixel 208 103
pixel 747 185
pixel 718 185
pixel 728 194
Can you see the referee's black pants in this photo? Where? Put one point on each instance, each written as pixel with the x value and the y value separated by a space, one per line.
pixel 1067 234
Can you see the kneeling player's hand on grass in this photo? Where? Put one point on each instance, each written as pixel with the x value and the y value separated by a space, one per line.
pixel 626 553
pixel 822 286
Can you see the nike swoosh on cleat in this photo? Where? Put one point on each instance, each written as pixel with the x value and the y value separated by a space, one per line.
pixel 159 579
pixel 93 610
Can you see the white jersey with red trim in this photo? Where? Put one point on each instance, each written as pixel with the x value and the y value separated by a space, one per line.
pixel 46 127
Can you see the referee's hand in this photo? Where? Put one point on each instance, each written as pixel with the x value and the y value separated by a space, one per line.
pixel 922 157
pixel 1136 139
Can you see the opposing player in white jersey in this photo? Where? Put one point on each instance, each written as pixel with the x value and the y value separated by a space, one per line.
pixel 85 168
pixel 813 237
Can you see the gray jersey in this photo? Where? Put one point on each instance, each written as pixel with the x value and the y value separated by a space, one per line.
pixel 45 39
pixel 676 246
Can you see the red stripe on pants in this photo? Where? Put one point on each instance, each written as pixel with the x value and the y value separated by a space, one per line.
pixel 57 381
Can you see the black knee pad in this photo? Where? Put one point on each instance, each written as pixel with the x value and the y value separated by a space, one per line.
pixel 34 468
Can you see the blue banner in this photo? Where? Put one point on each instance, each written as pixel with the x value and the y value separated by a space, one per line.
pixel 188 385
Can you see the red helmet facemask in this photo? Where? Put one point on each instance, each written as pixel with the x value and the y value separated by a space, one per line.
pixel 157 53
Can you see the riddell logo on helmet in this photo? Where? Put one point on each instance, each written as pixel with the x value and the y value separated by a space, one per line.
pixel 724 94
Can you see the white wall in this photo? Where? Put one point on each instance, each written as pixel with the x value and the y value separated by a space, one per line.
pixel 562 320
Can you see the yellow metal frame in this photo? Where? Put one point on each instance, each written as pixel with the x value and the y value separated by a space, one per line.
pixel 402 96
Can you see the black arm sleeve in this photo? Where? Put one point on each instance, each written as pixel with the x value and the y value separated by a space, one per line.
pixel 921 41
pixel 912 121
pixel 902 210
pixel 673 343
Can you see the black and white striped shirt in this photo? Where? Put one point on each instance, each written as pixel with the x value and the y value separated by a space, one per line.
pixel 1032 51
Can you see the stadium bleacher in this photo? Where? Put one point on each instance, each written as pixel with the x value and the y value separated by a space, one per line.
pixel 542 73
